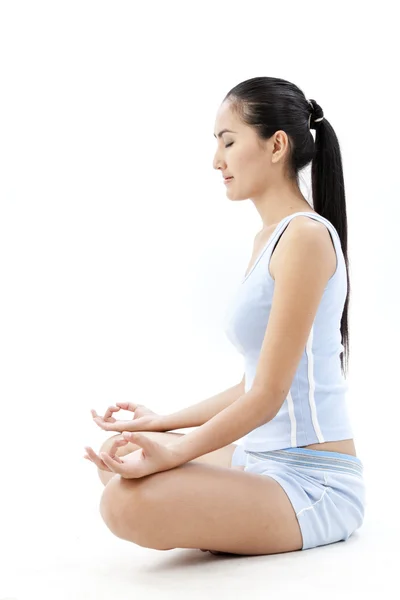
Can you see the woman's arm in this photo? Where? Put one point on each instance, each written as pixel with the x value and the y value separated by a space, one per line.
pixel 203 411
pixel 302 270
pixel 248 412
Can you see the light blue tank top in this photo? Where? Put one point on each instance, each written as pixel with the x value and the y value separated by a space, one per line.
pixel 315 409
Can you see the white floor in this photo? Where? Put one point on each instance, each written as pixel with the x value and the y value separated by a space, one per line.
pixel 55 546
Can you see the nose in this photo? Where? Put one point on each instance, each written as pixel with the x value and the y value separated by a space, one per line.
pixel 218 163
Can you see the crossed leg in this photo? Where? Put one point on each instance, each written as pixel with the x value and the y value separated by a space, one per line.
pixel 203 503
pixel 220 457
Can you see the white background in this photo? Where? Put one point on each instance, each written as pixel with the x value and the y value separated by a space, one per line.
pixel 119 251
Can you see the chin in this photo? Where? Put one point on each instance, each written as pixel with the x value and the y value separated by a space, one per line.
pixel 235 197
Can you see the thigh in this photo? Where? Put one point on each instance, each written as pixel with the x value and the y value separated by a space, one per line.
pixel 203 506
pixel 222 457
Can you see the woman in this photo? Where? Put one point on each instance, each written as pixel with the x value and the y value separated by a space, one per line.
pixel 296 483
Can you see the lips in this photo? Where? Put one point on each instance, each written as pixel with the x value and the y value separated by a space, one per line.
pixel 227 178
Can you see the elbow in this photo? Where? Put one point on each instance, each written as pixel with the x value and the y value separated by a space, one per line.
pixel 266 418
pixel 269 405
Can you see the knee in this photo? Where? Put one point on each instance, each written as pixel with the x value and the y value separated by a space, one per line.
pixel 109 509
pixel 121 506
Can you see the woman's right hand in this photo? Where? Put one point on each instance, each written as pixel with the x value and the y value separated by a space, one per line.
pixel 143 418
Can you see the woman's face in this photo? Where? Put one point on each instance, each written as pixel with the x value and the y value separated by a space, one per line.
pixel 242 155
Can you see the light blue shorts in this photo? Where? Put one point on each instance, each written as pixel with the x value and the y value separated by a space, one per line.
pixel 326 489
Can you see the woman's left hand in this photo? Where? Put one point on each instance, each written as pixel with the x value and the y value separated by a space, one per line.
pixel 151 457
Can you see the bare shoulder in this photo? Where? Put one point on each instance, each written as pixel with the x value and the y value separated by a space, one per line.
pixel 304 231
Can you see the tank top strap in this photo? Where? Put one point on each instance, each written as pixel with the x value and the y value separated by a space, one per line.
pixel 283 224
pixel 332 231
pixel 270 245
pixel 322 219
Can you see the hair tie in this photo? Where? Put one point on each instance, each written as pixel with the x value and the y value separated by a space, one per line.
pixel 315 109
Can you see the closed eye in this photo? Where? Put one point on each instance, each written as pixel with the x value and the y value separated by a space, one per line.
pixel 227 145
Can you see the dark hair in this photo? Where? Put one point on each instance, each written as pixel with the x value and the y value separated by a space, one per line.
pixel 269 104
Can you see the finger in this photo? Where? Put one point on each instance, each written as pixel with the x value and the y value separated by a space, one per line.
pixel 106 426
pixel 117 444
pixel 97 418
pixel 112 464
pixel 118 426
pixel 147 444
pixel 99 421
pixel 105 468
pixel 110 410
pixel 132 406
pixel 96 459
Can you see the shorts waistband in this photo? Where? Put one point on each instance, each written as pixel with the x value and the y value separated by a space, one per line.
pixel 313 459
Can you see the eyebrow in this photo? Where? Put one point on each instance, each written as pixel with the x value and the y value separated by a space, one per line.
pixel 224 131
